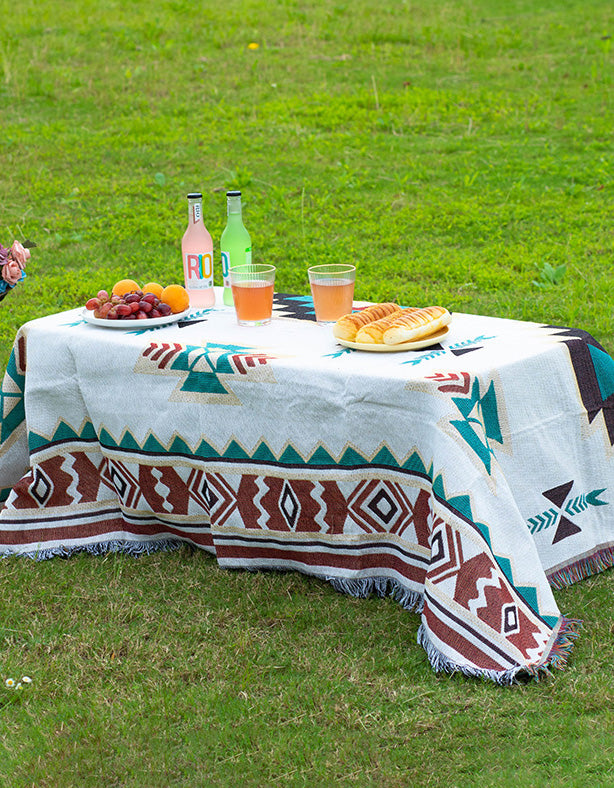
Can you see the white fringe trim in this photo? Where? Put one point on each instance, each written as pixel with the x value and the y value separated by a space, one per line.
pixel 128 547
pixel 363 587
pixel 442 664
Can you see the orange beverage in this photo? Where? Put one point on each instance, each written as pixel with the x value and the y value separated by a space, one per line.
pixel 252 293
pixel 332 289
pixel 253 301
pixel 332 298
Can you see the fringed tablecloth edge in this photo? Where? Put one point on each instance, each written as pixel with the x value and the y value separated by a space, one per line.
pixel 585 567
pixel 564 634
pixel 126 546
pixel 364 587
pixel 557 657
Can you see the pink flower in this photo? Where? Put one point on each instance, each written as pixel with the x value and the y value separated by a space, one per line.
pixel 20 254
pixel 11 272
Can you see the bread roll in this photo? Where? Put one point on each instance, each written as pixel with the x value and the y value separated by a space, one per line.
pixel 416 325
pixel 348 325
pixel 373 333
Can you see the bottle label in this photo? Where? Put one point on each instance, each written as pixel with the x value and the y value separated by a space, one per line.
pixel 226 268
pixel 226 264
pixel 198 270
pixel 197 212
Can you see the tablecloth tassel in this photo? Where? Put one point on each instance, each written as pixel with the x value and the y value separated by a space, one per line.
pixel 125 546
pixel 442 664
pixel 410 600
pixel 585 567
pixel 556 658
pixel 560 652
pixel 363 587
pixel 360 587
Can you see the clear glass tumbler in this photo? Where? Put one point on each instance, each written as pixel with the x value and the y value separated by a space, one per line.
pixel 332 288
pixel 252 291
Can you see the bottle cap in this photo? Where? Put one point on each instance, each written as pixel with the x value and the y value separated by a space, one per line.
pixel 233 194
pixel 195 196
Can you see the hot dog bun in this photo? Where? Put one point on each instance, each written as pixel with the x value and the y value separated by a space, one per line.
pixel 373 333
pixel 348 326
pixel 416 325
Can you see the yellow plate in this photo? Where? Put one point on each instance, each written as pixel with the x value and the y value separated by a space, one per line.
pixel 432 339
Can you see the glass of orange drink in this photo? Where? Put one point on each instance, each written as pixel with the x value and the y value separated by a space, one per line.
pixel 332 288
pixel 252 292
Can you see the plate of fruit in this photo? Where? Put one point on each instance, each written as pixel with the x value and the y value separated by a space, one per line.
pixel 130 306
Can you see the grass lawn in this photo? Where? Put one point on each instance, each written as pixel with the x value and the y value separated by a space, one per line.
pixel 460 153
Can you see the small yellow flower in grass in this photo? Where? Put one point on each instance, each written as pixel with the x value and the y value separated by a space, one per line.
pixel 10 683
pixel 253 45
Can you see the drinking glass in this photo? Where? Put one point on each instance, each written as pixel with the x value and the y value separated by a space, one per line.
pixel 252 292
pixel 332 288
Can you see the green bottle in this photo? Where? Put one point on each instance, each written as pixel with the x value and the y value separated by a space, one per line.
pixel 235 243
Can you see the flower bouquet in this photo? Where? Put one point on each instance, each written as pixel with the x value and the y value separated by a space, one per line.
pixel 12 264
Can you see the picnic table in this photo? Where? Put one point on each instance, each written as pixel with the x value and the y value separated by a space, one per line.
pixel 466 479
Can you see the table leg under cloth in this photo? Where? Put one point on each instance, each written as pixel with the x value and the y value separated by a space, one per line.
pixel 427 507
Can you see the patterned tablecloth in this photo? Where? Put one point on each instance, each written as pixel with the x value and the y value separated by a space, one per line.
pixel 465 479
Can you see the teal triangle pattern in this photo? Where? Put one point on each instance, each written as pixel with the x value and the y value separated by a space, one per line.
pixel 529 594
pixel 106 439
pixel 291 457
pixel 385 457
pixel 488 404
pixel 179 446
pixel 414 463
pixel 263 453
pixel 465 405
pixel 480 424
pixel 604 370
pixel 462 504
pixel 12 409
pixel 129 442
pixel 438 488
pixel 206 451
pixel 153 445
pixel 203 364
pixel 321 457
pixel 506 567
pixel 470 436
pixel 352 457
pixel 235 452
pixel 63 432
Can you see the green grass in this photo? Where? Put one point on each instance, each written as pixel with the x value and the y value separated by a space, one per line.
pixel 458 152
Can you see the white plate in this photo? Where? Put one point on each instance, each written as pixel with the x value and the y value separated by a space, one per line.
pixel 132 325
pixel 432 339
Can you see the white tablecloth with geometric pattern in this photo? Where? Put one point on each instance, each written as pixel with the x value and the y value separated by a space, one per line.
pixel 465 479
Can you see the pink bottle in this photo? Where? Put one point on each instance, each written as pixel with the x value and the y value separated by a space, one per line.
pixel 197 253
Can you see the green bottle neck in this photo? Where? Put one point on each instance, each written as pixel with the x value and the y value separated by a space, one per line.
pixel 234 207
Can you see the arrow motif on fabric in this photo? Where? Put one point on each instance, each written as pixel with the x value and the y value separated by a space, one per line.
pixel 582 502
pixel 451 378
pixel 543 520
pixel 564 506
